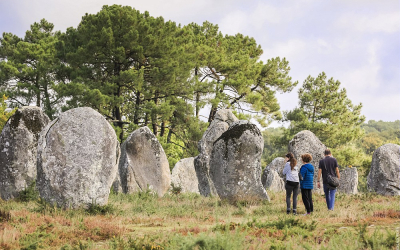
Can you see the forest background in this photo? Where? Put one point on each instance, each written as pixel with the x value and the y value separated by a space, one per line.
pixel 139 70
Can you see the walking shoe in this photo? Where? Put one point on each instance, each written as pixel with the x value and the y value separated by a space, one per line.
pixel 294 212
pixel 287 211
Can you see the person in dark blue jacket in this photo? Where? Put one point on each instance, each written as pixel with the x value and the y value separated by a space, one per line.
pixel 307 182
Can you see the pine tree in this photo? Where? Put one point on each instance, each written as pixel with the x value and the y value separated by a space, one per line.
pixel 27 67
pixel 326 110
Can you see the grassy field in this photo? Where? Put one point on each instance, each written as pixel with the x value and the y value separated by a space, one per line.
pixel 189 221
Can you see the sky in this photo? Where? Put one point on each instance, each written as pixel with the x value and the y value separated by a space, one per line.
pixel 354 41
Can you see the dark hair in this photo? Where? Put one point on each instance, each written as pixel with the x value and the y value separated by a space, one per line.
pixel 327 151
pixel 292 160
pixel 306 158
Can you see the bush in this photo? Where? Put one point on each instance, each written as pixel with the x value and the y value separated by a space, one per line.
pixel 95 209
pixel 29 194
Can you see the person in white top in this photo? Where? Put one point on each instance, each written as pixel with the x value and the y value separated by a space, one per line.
pixel 292 181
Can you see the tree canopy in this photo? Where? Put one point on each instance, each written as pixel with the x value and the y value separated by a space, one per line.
pixel 28 65
pixel 325 110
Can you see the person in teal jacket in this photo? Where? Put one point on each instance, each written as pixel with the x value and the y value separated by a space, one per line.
pixel 307 182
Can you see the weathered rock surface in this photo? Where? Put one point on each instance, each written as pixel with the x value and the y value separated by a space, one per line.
pixel 235 164
pixel 77 159
pixel 276 164
pixel 18 150
pixel 273 181
pixel 348 181
pixel 223 119
pixel 306 142
pixel 384 176
pixel 184 176
pixel 144 164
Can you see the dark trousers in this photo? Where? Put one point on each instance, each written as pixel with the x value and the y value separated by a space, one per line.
pixel 291 187
pixel 306 194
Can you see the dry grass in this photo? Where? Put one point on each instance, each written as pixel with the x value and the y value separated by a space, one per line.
pixel 191 222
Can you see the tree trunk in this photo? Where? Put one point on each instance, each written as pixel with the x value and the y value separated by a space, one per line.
pixel 162 132
pixel 197 104
pixel 213 111
pixel 146 119
pixel 154 114
pixel 38 101
pixel 137 109
pixel 47 104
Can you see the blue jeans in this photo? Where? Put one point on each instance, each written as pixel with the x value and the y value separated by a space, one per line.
pixel 330 197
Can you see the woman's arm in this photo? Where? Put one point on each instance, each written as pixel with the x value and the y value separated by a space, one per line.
pixel 286 169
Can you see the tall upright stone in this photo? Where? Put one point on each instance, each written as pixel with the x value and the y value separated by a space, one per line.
pixel 18 150
pixel 223 119
pixel 384 176
pixel 184 176
pixel 273 181
pixel 77 159
pixel 348 181
pixel 144 164
pixel 277 165
pixel 306 142
pixel 235 164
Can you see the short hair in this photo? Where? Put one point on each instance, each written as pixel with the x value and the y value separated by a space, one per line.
pixel 327 151
pixel 306 158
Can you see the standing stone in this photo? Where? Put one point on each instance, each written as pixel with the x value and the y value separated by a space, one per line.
pixel 77 159
pixel 384 176
pixel 348 181
pixel 18 146
pixel 306 142
pixel 144 164
pixel 184 176
pixel 277 164
pixel 235 165
pixel 223 119
pixel 273 181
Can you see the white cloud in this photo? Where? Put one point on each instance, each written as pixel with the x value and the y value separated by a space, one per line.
pixel 388 22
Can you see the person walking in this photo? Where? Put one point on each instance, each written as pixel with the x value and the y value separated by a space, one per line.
pixel 292 181
pixel 328 165
pixel 306 182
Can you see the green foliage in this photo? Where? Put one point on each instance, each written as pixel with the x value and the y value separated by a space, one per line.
pixel 350 155
pixel 175 189
pixel 325 110
pixel 378 133
pixel 28 67
pixel 144 243
pixel 220 241
pixel 95 209
pixel 4 115
pixel 30 193
pixel 283 222
pixel 273 146
pixel 377 240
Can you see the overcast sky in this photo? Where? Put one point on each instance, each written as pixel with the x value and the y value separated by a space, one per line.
pixel 354 41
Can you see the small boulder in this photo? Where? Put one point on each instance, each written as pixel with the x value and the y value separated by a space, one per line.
pixel 348 181
pixel 273 181
pixel 306 142
pixel 18 150
pixel 143 164
pixel 184 176
pixel 384 176
pixel 77 159
pixel 223 119
pixel 235 165
pixel 277 164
